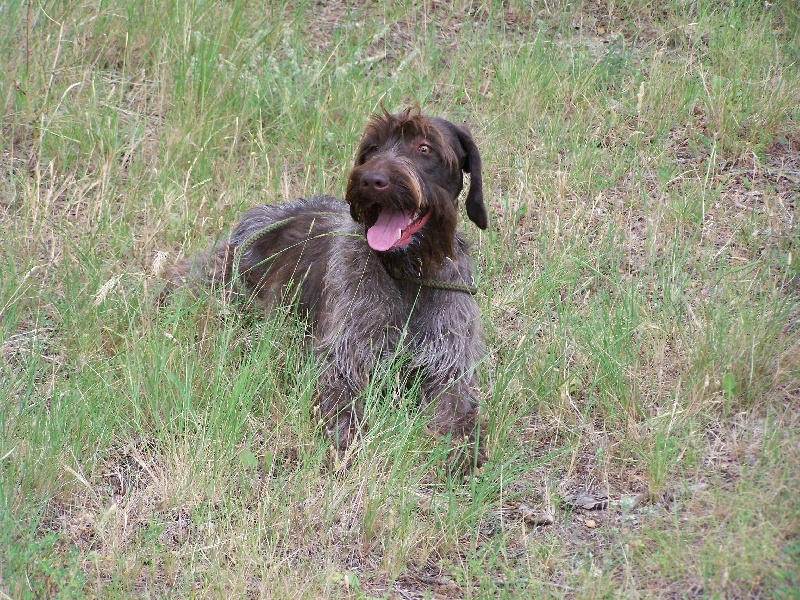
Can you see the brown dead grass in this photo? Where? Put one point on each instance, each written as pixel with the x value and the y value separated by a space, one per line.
pixel 745 459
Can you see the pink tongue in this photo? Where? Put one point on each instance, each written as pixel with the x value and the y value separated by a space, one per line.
pixel 387 229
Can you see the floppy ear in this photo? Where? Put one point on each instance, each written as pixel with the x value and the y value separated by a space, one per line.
pixel 476 210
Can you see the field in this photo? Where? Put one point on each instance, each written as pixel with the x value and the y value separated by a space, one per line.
pixel 639 286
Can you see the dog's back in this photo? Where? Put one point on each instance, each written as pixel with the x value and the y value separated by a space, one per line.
pixel 282 250
pixel 278 251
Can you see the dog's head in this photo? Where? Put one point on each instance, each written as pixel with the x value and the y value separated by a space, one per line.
pixel 406 180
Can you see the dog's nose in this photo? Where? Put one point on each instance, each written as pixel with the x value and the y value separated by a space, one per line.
pixel 375 180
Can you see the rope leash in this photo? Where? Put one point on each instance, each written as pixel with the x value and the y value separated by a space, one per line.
pixel 441 285
pixel 245 246
pixel 248 242
pixel 428 283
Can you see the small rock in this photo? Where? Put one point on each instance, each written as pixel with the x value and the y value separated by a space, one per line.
pixel 531 518
pixel 588 501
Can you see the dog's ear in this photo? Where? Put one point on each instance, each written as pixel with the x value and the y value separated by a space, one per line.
pixel 476 210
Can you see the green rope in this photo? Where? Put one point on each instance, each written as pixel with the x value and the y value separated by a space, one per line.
pixel 428 283
pixel 441 285
pixel 245 246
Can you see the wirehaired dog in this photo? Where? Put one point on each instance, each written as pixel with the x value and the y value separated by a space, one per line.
pixel 383 274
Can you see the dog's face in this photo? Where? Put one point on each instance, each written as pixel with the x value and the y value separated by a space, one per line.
pixel 405 184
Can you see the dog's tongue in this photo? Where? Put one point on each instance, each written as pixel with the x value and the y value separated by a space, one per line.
pixel 387 229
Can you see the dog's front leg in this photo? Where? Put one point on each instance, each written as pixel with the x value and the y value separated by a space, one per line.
pixel 346 350
pixel 338 406
pixel 456 419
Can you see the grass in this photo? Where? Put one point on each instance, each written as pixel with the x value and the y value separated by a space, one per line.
pixel 638 285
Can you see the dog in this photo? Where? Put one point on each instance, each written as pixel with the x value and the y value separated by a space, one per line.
pixel 385 273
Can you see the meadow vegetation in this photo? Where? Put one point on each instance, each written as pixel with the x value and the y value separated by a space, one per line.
pixel 639 285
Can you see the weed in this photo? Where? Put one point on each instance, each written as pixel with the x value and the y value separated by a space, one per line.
pixel 638 285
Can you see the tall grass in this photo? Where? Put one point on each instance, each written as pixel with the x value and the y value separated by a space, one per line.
pixel 638 286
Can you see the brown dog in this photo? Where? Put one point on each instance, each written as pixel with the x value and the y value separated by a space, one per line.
pixel 389 275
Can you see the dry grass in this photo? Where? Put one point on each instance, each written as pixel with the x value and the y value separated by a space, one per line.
pixel 639 286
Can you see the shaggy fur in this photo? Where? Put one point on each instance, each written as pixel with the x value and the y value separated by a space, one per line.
pixel 346 265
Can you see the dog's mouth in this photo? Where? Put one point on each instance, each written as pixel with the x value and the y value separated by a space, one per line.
pixel 394 228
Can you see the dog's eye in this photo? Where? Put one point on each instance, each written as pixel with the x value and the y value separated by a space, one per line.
pixel 367 154
pixel 425 148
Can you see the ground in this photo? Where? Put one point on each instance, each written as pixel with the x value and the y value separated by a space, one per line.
pixel 638 287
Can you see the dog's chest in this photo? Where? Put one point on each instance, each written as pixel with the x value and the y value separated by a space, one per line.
pixel 366 300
